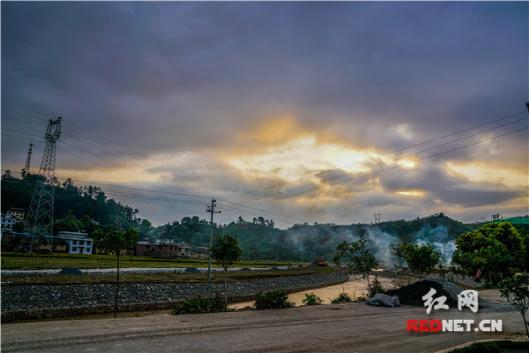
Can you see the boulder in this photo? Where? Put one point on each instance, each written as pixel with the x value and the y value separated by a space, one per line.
pixel 384 300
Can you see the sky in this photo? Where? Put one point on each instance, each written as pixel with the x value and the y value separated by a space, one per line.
pixel 299 112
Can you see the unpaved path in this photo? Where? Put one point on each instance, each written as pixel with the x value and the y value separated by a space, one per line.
pixel 353 327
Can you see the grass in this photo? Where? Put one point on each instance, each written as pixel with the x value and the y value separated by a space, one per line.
pixel 155 277
pixel 61 260
pixel 496 346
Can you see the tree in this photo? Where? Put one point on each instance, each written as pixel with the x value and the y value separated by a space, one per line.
pixel 226 251
pixel 116 241
pixel 496 249
pixel 357 258
pixel 420 259
pixel 338 259
pixel 516 290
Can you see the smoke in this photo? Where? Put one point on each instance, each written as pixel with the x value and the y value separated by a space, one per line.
pixel 311 241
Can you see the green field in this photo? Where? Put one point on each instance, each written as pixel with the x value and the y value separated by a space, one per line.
pixel 38 261
pixel 157 277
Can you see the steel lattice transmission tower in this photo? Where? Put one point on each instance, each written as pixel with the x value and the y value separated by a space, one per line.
pixel 26 168
pixel 40 214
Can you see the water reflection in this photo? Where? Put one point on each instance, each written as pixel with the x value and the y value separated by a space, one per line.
pixel 355 287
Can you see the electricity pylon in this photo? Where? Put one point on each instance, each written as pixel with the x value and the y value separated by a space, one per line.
pixel 39 219
pixel 25 170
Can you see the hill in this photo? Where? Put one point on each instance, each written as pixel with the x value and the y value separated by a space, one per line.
pixel 88 208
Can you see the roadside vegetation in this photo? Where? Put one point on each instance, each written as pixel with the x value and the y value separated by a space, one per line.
pixel 493 252
pixel 312 299
pixel 277 299
pixel 516 291
pixel 200 305
pixel 342 298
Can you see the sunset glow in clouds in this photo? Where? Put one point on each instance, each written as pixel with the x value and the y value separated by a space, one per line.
pixel 293 108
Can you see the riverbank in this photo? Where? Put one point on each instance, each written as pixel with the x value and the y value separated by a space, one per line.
pixel 26 302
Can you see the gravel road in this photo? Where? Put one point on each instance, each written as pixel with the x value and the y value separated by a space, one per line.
pixel 353 327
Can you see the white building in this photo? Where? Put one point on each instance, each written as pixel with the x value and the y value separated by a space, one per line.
pixel 17 213
pixel 13 216
pixel 8 221
pixel 78 242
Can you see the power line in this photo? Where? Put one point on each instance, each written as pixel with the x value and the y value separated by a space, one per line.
pixel 368 173
pixel 399 149
pixel 435 155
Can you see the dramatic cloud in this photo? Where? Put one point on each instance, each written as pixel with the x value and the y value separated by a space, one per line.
pixel 282 107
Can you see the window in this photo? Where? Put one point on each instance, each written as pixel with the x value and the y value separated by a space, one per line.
pixel 74 249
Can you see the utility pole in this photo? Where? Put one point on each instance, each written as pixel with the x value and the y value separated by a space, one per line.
pixel 377 218
pixel 211 210
pixel 25 170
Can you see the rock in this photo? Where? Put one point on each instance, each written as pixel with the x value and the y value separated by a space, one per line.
pixel 37 301
pixel 384 300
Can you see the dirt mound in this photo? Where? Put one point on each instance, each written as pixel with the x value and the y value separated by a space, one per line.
pixel 412 294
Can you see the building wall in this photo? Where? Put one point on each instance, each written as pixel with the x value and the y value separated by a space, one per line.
pixel 80 246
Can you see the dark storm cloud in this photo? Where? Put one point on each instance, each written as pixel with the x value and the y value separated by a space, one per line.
pixel 449 189
pixel 138 79
pixel 184 66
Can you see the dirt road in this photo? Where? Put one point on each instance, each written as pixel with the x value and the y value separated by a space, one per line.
pixel 353 327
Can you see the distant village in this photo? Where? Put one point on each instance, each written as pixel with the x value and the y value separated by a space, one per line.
pixel 14 240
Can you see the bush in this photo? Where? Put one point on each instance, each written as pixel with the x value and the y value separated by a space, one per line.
pixel 343 297
pixel 200 305
pixel 276 299
pixel 312 299
pixel 375 287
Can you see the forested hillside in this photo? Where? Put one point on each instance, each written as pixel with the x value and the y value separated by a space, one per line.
pixel 88 208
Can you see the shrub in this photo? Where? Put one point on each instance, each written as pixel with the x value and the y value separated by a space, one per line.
pixel 200 305
pixel 276 299
pixel 312 299
pixel 343 297
pixel 375 287
pixel 516 291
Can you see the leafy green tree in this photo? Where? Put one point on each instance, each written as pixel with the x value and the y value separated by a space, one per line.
pixel 69 223
pixel 226 251
pixel 420 259
pixel 116 241
pixel 497 249
pixel 516 290
pixel 356 257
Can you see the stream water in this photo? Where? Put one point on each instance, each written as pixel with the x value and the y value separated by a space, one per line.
pixel 355 287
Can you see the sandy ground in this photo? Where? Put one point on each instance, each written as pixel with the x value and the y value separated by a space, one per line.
pixel 353 327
